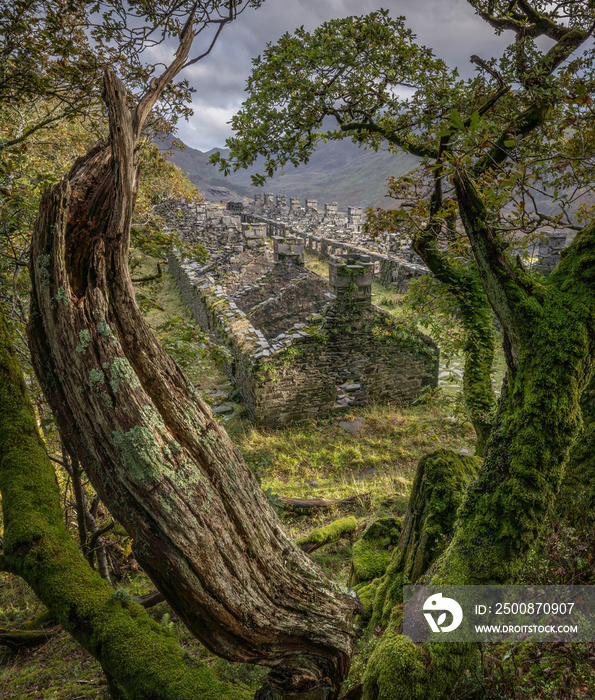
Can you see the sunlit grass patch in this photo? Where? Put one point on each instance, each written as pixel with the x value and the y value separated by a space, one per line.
pixel 172 322
pixel 377 464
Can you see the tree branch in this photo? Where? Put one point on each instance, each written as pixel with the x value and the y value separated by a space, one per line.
pixel 404 144
pixel 504 286
pixel 543 25
pixel 97 534
pixel 8 143
pixel 149 600
pixel 208 51
pixel 157 85
pixel 499 23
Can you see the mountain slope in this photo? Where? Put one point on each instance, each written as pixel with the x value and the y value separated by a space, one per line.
pixel 338 171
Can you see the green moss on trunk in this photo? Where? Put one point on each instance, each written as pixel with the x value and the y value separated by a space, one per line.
pixel 577 495
pixel 439 487
pixel 372 551
pixel 138 654
pixel 539 418
pixel 399 669
pixel 476 318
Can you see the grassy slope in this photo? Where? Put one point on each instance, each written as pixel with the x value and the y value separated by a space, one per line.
pixel 318 458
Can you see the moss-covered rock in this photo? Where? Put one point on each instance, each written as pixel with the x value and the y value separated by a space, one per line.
pixel 399 669
pixel 372 551
pixel 439 487
pixel 366 592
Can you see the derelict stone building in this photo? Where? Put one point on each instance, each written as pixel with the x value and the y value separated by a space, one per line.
pixel 302 346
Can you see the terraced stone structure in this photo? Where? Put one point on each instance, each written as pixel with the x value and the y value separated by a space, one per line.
pixel 334 232
pixel 301 347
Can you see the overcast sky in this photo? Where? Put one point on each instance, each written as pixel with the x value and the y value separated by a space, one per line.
pixel 450 27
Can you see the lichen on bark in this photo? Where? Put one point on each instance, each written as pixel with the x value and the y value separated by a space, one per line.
pixel 142 658
pixel 203 529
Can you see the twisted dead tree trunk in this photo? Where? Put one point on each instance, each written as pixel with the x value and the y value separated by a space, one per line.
pixel 203 529
pixel 139 658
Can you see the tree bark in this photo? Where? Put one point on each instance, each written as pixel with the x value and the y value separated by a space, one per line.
pixel 142 658
pixel 203 529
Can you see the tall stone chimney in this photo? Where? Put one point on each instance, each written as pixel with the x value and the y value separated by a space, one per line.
pixel 350 278
pixel 288 249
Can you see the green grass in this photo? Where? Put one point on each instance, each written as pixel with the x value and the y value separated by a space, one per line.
pixel 60 669
pixel 391 441
pixel 175 327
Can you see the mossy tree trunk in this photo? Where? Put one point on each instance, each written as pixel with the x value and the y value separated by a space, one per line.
pixel 577 495
pixel 398 668
pixel 550 332
pixel 550 329
pixel 203 529
pixel 139 656
pixel 476 319
pixel 439 488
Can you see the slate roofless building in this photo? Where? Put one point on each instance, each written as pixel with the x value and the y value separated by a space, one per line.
pixel 302 346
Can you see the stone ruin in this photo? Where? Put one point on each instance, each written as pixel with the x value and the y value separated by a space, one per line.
pixel 395 261
pixel 302 346
pixel 331 232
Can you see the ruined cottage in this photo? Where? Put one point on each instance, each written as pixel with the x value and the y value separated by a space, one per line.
pixel 302 346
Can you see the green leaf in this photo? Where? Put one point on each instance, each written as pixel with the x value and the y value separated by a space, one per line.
pixel 455 118
pixel 474 121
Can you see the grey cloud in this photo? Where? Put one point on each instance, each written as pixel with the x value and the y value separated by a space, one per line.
pixel 450 27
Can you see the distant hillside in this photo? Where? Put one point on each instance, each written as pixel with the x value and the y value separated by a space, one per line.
pixel 338 171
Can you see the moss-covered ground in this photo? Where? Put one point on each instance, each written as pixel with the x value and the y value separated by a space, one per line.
pixel 316 459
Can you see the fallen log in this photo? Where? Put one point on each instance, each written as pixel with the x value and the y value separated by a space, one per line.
pixel 150 599
pixel 24 639
pixel 328 534
pixel 150 278
pixel 306 505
